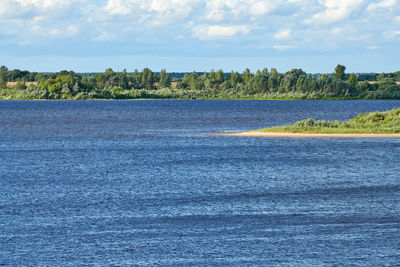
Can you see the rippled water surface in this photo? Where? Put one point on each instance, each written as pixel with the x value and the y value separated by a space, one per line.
pixel 127 183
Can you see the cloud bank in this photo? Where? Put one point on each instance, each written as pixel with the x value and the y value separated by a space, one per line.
pixel 205 27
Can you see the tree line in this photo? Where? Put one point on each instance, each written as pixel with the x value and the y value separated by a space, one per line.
pixel 263 84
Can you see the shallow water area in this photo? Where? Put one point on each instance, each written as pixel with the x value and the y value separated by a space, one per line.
pixel 128 183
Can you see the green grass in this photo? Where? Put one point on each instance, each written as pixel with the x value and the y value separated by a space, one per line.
pixel 370 123
pixel 15 93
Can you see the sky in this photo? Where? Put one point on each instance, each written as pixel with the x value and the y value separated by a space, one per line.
pixel 200 35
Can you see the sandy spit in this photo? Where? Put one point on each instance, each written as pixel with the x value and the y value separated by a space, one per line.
pixel 306 135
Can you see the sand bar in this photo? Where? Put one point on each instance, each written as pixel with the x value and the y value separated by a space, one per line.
pixel 310 135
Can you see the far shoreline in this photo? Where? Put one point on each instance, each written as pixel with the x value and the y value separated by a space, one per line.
pixel 307 135
pixel 237 99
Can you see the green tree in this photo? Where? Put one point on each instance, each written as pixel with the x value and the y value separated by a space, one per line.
pixel 76 88
pixel 148 79
pixel 194 82
pixel 274 80
pixel 388 85
pixel 212 79
pixel 220 77
pixel 258 84
pixel 184 82
pixel 61 82
pixel 353 80
pixel 324 77
pixel 3 76
pixel 339 72
pixel 203 77
pixel 136 79
pixel 246 76
pixel 165 79
pixel 234 78
pixel 123 81
pixel 397 75
pixel 110 78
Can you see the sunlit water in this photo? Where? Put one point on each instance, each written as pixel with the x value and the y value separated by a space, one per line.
pixel 127 183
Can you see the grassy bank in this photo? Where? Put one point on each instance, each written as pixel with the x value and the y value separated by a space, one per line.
pixel 369 123
pixel 27 94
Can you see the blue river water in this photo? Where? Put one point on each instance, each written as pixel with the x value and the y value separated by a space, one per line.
pixel 140 183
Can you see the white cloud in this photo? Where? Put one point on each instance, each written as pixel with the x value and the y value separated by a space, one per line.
pixel 212 32
pixel 382 4
pixel 73 29
pixel 391 34
pixel 221 4
pixel 54 31
pixel 337 30
pixel 238 9
pixel 46 31
pixel 9 9
pixel 105 36
pixel 283 47
pixel 33 9
pixel 215 15
pixel 372 47
pixel 217 10
pixel 44 3
pixel 282 34
pixel 335 10
pixel 157 12
pixel 316 25
pixel 119 7
pixel 261 8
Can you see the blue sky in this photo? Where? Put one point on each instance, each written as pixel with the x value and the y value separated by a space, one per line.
pixel 186 35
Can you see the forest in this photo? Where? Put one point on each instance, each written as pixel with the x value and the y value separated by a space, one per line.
pixel 146 84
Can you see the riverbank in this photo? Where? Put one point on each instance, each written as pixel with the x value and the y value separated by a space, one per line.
pixel 309 135
pixel 369 125
pixel 200 98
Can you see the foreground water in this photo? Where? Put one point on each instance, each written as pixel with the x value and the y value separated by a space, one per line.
pixel 126 183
